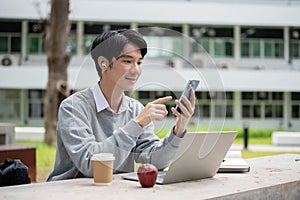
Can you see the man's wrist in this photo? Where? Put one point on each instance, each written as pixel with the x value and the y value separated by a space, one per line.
pixel 138 122
pixel 177 132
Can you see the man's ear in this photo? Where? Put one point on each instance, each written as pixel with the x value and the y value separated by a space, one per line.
pixel 102 63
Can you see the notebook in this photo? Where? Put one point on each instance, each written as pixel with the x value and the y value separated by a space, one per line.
pixel 199 156
pixel 233 162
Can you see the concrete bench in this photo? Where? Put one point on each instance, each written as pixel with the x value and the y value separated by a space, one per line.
pixel 30 133
pixel 7 133
pixel 21 152
pixel 285 138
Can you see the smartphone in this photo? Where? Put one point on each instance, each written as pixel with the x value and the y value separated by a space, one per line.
pixel 191 84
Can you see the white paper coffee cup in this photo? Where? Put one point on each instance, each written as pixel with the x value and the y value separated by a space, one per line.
pixel 103 168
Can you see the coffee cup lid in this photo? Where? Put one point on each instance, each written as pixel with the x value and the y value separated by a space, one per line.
pixel 103 156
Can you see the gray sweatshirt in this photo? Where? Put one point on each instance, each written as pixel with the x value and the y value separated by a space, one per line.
pixel 87 125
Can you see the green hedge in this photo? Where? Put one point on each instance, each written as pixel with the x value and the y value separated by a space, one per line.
pixel 253 133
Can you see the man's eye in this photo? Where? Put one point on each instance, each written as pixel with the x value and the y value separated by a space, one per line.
pixel 140 62
pixel 127 61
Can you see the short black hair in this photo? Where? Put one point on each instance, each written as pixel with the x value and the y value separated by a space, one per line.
pixel 111 43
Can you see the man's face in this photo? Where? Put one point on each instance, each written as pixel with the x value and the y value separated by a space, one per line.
pixel 126 69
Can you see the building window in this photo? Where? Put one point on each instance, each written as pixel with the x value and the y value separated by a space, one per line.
pixel 268 111
pixel 295 105
pixel 247 95
pixel 263 43
pixel 144 95
pixel 223 104
pixel 10 43
pixel 295 43
pixel 273 49
pixel 295 111
pixel 228 48
pixel 205 44
pixel 256 111
pixel 92 30
pixel 164 46
pixel 262 105
pixel 251 48
pixel 255 48
pixel 273 111
pixel 278 111
pixel 215 104
pixel 36 103
pixel 262 95
pixel 218 42
pixel 36 44
pixel 10 104
pixel 295 49
pixel 36 40
pixel 165 41
pixel 220 111
pixel 246 111
pixel 71 44
pixel 10 37
pixel 3 44
pixel 88 41
pixel 15 44
pixel 204 110
pixel 277 96
pixel 72 40
pixel 208 104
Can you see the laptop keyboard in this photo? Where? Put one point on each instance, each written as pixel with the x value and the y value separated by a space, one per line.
pixel 160 176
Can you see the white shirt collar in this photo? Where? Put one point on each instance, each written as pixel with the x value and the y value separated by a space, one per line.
pixel 99 98
pixel 102 104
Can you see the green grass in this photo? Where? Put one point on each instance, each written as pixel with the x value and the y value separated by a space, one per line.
pixel 45 154
pixel 251 140
pixel 249 154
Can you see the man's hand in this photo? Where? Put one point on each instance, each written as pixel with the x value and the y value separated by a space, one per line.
pixel 154 110
pixel 187 111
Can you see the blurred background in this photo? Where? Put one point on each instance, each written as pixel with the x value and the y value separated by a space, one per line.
pixel 246 53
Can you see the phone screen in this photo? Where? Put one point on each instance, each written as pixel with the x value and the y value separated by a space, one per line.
pixel 191 84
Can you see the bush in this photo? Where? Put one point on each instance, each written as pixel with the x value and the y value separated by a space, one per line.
pixel 253 133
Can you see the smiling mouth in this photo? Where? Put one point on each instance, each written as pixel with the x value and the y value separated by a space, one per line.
pixel 131 79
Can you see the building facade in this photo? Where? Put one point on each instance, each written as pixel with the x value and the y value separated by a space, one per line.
pixel 246 54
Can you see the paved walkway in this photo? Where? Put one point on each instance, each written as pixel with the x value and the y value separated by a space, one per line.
pixel 37 134
pixel 270 148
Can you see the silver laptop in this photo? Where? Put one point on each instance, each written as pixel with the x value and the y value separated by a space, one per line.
pixel 199 156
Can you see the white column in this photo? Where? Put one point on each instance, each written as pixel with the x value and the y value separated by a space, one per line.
pixel 286 109
pixel 286 42
pixel 24 105
pixel 133 25
pixel 237 105
pixel 24 41
pixel 80 38
pixel 237 43
pixel 186 41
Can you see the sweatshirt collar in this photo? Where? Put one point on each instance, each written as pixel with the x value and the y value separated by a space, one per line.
pixel 102 104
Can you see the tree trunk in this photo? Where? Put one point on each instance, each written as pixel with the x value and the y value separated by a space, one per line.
pixel 57 30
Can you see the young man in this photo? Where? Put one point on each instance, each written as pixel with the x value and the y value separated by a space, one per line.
pixel 102 119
